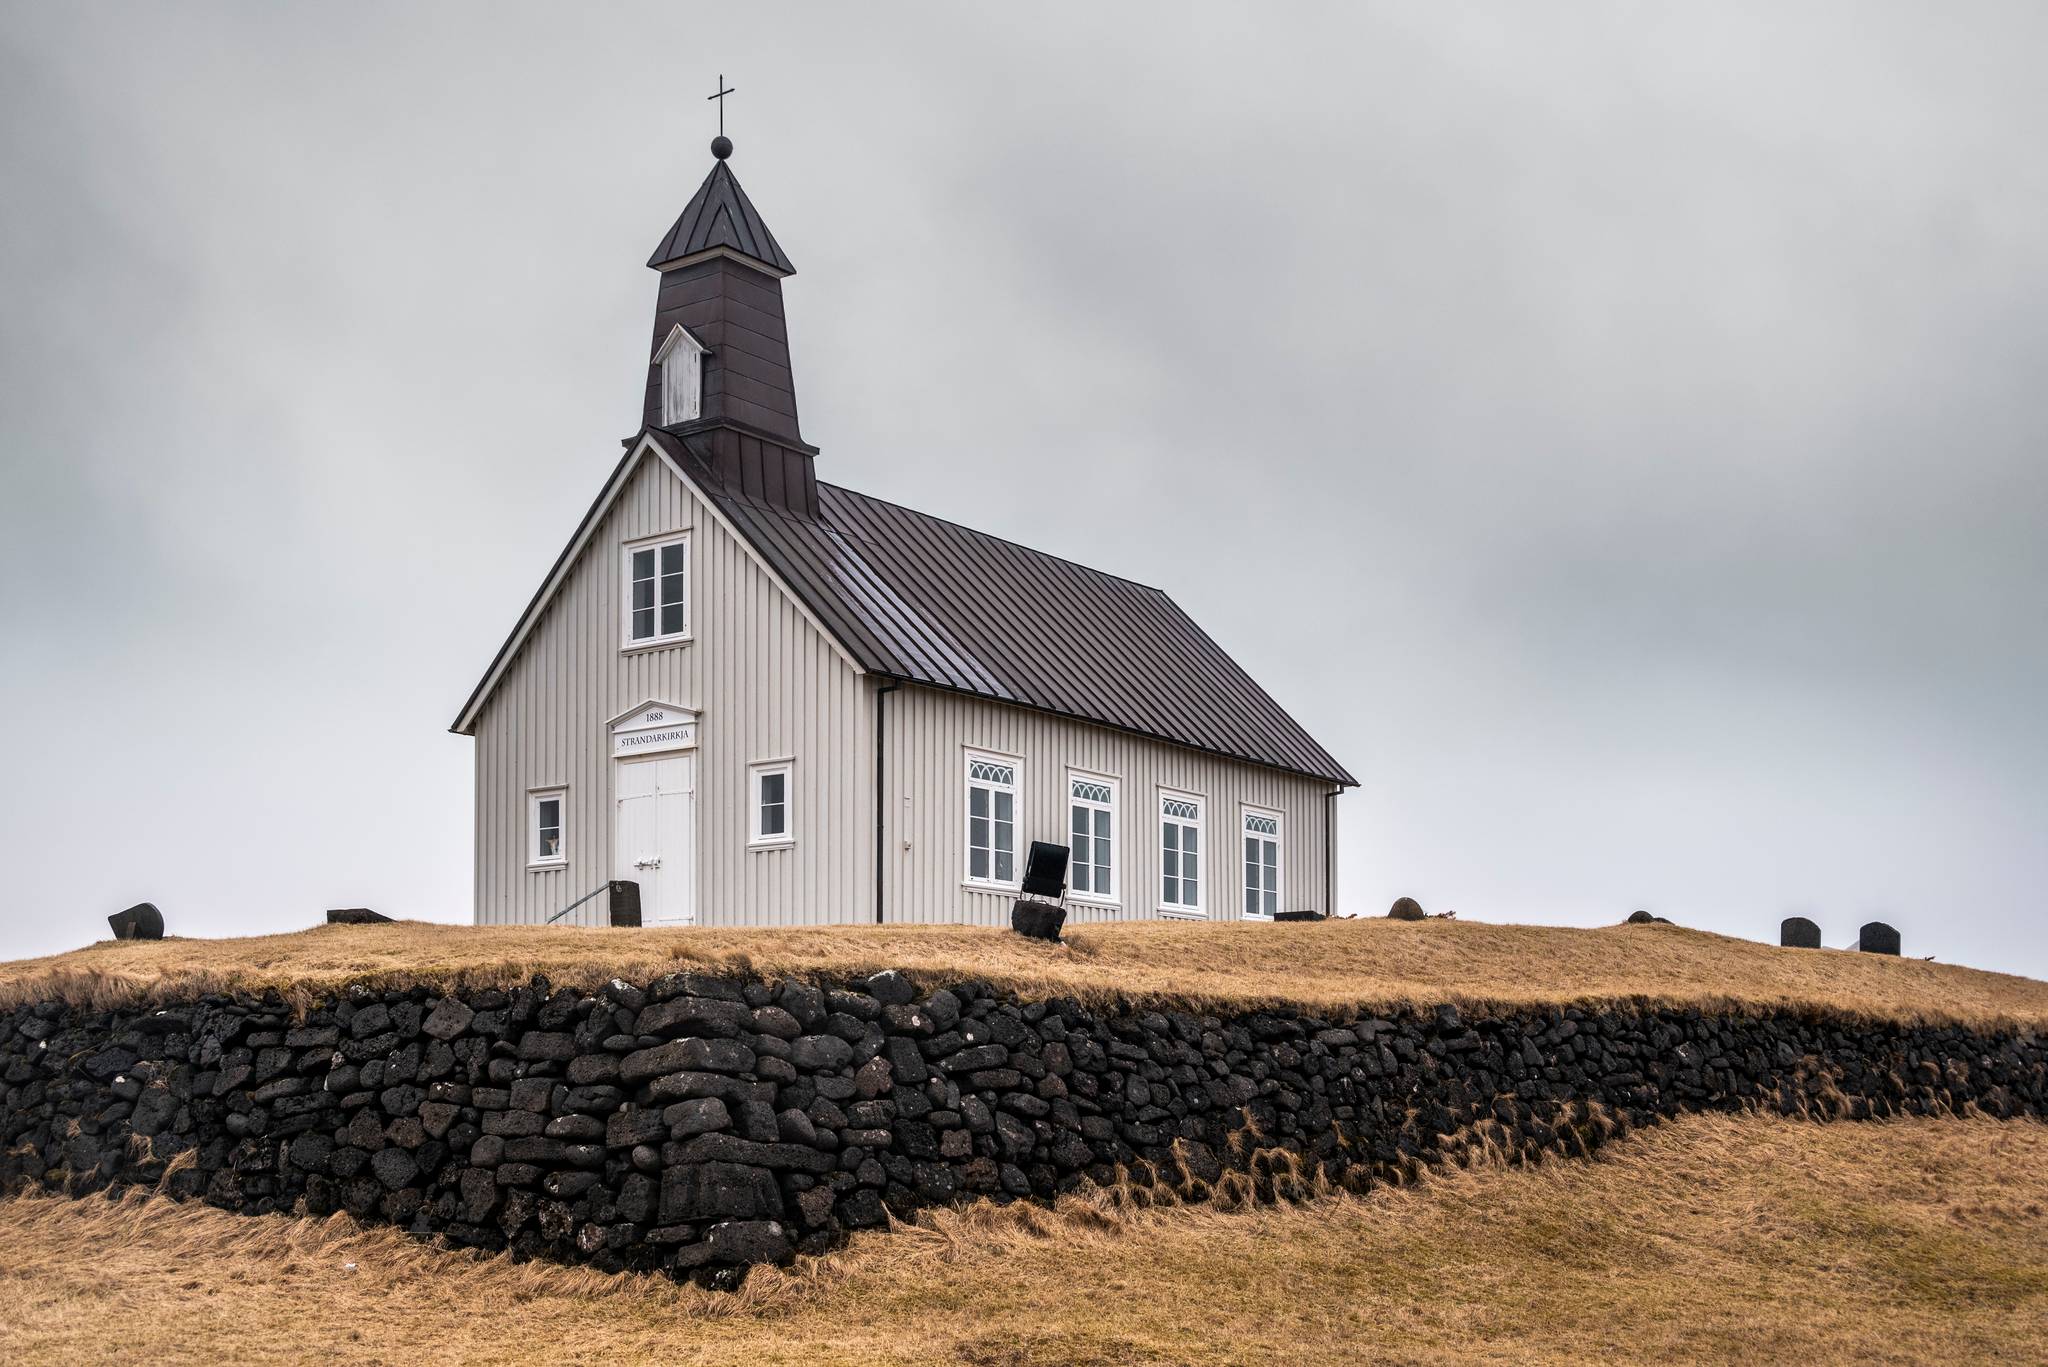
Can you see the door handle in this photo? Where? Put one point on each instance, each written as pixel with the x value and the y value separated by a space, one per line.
pixel 654 863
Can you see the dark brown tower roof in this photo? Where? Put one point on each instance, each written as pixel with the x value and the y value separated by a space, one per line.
pixel 721 215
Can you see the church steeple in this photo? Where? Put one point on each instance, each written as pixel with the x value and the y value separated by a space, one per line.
pixel 718 373
pixel 720 215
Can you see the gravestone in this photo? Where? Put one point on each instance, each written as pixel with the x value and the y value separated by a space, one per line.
pixel 140 922
pixel 1406 909
pixel 355 916
pixel 1877 938
pixel 624 902
pixel 1039 920
pixel 1796 932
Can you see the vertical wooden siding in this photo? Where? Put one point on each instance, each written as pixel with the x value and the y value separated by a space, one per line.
pixel 928 733
pixel 768 686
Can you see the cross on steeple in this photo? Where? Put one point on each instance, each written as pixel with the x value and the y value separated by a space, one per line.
pixel 723 91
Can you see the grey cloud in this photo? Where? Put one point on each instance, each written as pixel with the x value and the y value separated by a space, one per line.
pixel 1615 431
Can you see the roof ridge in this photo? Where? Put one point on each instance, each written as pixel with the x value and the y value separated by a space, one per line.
pixel 992 536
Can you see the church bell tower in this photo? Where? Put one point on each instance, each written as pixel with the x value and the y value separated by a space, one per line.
pixel 718 374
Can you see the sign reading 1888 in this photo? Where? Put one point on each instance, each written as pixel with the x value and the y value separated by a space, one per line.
pixel 653 729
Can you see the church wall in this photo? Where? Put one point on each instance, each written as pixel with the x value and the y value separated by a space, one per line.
pixel 767 684
pixel 928 733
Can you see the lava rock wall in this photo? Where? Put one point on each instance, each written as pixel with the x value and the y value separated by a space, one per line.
pixel 700 1124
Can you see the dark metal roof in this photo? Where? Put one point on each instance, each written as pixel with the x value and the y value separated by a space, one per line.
pixel 721 215
pixel 918 598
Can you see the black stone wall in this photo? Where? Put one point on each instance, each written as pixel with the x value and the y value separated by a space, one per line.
pixel 701 1124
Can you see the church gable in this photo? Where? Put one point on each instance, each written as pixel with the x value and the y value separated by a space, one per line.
pixel 598 601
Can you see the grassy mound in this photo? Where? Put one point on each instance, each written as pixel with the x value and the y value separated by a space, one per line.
pixel 1330 966
pixel 1712 1239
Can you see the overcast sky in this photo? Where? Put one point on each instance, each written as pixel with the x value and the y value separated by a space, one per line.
pixel 1617 432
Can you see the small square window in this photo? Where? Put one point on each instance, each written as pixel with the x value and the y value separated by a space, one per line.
pixel 770 784
pixel 546 824
pixel 657 592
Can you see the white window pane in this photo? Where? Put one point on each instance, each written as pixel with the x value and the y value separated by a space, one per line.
pixel 643 564
pixel 1169 836
pixel 977 802
pixel 774 797
pixel 672 558
pixel 671 619
pixel 977 862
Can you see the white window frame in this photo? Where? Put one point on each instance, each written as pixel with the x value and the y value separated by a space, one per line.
pixel 1113 896
pixel 756 837
pixel 656 544
pixel 1016 790
pixel 534 858
pixel 1196 910
pixel 1278 837
pixel 681 359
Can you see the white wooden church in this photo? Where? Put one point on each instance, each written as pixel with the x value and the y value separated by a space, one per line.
pixel 769 700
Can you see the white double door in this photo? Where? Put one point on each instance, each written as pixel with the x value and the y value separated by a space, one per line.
pixel 654 826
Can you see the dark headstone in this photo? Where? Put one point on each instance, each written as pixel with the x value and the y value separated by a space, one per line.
pixel 624 898
pixel 1644 918
pixel 140 922
pixel 1299 916
pixel 1039 920
pixel 1796 932
pixel 355 916
pixel 1407 909
pixel 1878 938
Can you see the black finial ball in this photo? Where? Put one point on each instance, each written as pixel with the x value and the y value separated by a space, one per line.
pixel 721 147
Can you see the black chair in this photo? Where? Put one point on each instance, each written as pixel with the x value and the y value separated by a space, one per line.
pixel 1045 871
pixel 1045 875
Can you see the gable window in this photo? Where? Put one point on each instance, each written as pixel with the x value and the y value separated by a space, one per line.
pixel 1180 854
pixel 657 583
pixel 1091 811
pixel 682 377
pixel 992 821
pixel 545 847
pixel 770 784
pixel 1261 863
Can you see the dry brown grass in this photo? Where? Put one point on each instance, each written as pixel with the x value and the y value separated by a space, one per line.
pixel 1336 965
pixel 1712 1239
